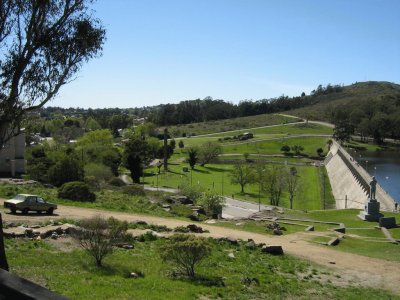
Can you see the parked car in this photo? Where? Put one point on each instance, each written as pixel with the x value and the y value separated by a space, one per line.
pixel 26 203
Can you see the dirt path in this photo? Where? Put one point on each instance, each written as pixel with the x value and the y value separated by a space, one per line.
pixel 355 269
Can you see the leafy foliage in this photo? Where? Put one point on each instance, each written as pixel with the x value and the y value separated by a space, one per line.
pixel 98 236
pixel 185 251
pixel 66 170
pixel 76 190
pixel 43 45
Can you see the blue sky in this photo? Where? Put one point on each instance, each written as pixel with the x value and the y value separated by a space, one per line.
pixel 160 51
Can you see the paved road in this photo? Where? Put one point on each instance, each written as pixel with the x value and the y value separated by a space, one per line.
pixel 233 208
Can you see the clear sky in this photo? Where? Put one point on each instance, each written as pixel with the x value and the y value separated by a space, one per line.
pixel 166 51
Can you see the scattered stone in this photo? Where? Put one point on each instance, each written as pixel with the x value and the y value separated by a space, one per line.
pixel 332 263
pixel 133 275
pixel 141 222
pixel 125 246
pixel 232 240
pixel 277 232
pixel 231 255
pixel 251 244
pixel 35 226
pixel 249 281
pixel 29 233
pixel 210 221
pixel 334 242
pixel 59 231
pixel 194 228
pixel 54 236
pixel 194 217
pixel 239 224
pixel 310 228
pixel 274 250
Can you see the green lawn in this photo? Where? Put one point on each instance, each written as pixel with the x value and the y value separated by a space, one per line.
pixel 217 177
pixel 69 271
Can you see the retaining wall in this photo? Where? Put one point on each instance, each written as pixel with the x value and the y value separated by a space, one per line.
pixel 350 181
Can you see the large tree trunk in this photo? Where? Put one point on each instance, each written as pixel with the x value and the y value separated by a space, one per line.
pixel 3 259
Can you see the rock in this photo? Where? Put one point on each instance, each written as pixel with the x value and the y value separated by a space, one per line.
pixel 239 224
pixel 59 231
pixel 251 244
pixel 194 228
pixel 211 221
pixel 334 242
pixel 54 236
pixel 133 275
pixel 277 232
pixel 310 228
pixel 231 255
pixel 29 233
pixel 35 226
pixel 194 217
pixel 125 246
pixel 232 240
pixel 274 250
pixel 141 222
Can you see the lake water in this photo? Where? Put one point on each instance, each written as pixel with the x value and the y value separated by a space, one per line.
pixel 385 166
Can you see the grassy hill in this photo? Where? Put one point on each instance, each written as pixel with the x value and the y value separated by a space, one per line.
pixel 356 94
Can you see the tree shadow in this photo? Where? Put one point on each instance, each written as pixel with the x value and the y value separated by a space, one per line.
pixel 106 269
pixel 215 169
pixel 209 281
pixel 201 171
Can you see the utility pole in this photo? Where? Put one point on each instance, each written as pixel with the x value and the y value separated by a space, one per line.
pixel 165 150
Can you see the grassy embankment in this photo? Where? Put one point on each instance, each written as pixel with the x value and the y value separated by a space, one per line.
pixel 69 271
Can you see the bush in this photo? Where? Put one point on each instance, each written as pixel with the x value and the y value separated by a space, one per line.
pixel 99 236
pixel 133 190
pixel 185 251
pixel 65 170
pixel 76 190
pixel 116 181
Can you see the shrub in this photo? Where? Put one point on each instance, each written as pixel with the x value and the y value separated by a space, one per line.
pixel 185 251
pixel 116 181
pixel 212 203
pixel 133 190
pixel 98 236
pixel 76 190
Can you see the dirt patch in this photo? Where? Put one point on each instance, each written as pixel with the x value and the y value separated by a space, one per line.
pixel 64 243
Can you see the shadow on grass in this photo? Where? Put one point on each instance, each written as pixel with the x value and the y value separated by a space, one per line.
pixel 216 169
pixel 203 280
pixel 106 269
pixel 201 171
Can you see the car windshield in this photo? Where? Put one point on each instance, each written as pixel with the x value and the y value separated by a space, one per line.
pixel 19 197
pixel 40 200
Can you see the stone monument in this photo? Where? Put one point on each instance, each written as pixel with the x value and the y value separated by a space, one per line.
pixel 371 210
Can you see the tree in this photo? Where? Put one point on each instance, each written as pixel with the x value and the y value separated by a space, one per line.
pixel 291 181
pixel 185 251
pixel 43 45
pixel 193 156
pixel 212 202
pixel 98 236
pixel 297 149
pixel 320 151
pixel 181 145
pixel 285 148
pixel 135 156
pixel 242 174
pixel 66 170
pixel 274 184
pixel 208 152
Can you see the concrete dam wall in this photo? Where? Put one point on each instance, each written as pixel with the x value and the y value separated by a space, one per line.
pixel 350 181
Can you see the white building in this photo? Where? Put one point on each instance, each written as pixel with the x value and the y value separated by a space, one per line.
pixel 12 156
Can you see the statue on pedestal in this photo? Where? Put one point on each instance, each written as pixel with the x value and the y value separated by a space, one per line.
pixel 372 207
pixel 372 188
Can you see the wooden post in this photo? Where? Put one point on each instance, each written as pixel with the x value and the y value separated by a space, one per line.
pixel 3 258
